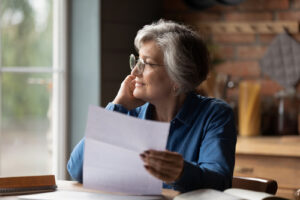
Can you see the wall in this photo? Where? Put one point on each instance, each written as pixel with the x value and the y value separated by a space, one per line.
pixel 240 52
pixel 120 22
pixel 102 34
pixel 85 62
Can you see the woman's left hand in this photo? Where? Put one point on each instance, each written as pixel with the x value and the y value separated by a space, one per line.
pixel 164 165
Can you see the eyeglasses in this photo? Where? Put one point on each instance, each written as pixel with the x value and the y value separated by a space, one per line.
pixel 139 63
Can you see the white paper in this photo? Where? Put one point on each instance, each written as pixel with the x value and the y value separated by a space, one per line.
pixel 72 195
pixel 113 142
pixel 206 194
pixel 248 194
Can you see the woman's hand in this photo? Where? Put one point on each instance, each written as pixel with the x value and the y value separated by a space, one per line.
pixel 125 95
pixel 164 165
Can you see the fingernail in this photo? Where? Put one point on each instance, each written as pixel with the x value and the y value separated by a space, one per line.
pixel 142 155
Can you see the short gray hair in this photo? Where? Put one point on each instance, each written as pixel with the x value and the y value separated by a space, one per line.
pixel 185 54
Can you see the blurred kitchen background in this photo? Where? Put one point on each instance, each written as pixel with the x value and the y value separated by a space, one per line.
pixel 59 56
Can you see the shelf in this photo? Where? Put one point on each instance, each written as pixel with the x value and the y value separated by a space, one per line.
pixel 275 146
pixel 268 27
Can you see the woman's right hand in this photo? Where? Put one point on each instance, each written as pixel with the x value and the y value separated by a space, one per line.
pixel 125 95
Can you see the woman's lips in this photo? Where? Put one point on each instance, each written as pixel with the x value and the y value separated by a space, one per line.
pixel 138 84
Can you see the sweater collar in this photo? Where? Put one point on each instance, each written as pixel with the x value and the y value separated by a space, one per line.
pixel 185 114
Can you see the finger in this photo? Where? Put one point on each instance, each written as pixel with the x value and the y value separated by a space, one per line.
pixel 143 157
pixel 165 167
pixel 154 161
pixel 160 164
pixel 128 79
pixel 162 176
pixel 128 84
pixel 170 171
pixel 132 85
pixel 163 155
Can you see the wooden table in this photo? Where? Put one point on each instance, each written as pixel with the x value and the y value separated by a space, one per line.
pixel 75 186
pixel 275 158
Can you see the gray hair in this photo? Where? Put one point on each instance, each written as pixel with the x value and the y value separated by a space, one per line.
pixel 185 54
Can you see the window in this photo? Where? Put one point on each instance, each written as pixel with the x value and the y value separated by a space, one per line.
pixel 32 87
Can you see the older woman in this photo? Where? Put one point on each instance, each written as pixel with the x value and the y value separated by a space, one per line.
pixel 172 62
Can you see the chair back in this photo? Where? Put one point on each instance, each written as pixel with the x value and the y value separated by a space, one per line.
pixel 297 194
pixel 257 184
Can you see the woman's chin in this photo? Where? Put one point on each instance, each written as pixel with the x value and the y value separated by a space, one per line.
pixel 138 94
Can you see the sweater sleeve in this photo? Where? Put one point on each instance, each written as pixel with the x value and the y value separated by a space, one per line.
pixel 214 168
pixel 75 163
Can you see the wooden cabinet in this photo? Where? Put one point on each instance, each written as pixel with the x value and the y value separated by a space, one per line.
pixel 271 157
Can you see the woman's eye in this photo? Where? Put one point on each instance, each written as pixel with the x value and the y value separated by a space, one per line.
pixel 150 61
pixel 150 64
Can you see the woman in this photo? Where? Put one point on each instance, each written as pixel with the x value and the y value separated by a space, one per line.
pixel 172 62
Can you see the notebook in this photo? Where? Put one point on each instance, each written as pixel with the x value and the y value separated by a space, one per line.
pixel 27 185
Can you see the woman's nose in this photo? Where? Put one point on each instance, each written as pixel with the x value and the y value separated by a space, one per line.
pixel 135 71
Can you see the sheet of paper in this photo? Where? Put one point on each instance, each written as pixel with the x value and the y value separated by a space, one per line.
pixel 206 194
pixel 113 142
pixel 248 194
pixel 72 195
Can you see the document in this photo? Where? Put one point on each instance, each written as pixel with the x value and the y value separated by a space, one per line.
pixel 73 195
pixel 113 142
pixel 228 194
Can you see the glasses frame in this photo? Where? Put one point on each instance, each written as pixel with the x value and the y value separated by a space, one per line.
pixel 135 61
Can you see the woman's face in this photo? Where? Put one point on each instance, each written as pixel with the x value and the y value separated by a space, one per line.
pixel 153 83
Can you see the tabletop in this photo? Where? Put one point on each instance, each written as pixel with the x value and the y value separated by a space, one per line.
pixel 75 186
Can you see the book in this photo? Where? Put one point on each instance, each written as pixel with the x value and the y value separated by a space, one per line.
pixel 27 185
pixel 229 194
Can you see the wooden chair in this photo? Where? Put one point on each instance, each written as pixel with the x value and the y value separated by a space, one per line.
pixel 256 184
pixel 297 194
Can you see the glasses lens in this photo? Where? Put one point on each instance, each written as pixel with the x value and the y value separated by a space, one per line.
pixel 132 61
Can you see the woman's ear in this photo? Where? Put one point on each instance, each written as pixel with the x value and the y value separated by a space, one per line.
pixel 175 88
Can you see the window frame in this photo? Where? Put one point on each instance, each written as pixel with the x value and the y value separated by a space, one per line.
pixel 60 41
pixel 59 89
